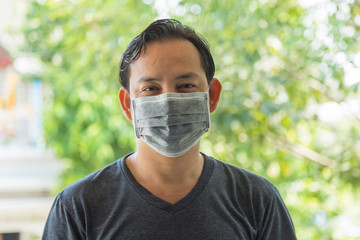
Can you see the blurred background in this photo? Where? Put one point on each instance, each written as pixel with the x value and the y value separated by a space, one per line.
pixel 289 110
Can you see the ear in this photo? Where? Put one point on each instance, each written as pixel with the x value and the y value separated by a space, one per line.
pixel 214 92
pixel 125 101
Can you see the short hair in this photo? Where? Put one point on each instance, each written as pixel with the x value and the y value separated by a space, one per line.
pixel 164 30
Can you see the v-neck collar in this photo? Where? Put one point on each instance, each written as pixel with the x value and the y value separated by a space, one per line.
pixel 162 204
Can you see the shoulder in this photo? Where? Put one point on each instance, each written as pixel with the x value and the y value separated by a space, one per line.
pixel 255 197
pixel 242 187
pixel 251 181
pixel 94 184
pixel 86 201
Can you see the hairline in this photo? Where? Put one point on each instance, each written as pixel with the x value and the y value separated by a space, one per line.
pixel 137 47
pixel 164 40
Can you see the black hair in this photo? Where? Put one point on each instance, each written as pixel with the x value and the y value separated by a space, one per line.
pixel 164 30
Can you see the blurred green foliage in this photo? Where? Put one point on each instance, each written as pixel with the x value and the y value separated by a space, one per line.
pixel 278 61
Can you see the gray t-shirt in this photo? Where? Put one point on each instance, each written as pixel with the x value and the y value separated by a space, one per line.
pixel 226 203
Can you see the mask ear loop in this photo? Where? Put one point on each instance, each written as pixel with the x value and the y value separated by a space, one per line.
pixel 208 102
pixel 134 118
pixel 211 102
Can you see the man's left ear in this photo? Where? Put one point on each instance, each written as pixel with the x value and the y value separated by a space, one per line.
pixel 214 92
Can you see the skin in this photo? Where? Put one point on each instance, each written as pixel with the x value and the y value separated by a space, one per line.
pixel 169 66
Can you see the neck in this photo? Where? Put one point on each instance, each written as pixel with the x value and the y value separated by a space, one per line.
pixel 168 178
pixel 147 162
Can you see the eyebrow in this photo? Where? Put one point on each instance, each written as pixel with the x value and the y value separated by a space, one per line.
pixel 148 79
pixel 177 78
pixel 187 75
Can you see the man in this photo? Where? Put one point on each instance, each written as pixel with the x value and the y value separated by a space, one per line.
pixel 167 189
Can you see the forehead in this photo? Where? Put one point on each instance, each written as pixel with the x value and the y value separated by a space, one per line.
pixel 170 55
pixel 184 46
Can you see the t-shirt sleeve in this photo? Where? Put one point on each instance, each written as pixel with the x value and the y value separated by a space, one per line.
pixel 277 223
pixel 61 224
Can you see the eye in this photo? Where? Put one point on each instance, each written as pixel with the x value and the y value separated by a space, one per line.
pixel 149 90
pixel 187 86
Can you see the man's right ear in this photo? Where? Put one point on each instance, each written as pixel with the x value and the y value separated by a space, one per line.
pixel 125 101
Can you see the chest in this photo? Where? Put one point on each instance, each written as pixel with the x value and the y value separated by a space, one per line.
pixel 141 220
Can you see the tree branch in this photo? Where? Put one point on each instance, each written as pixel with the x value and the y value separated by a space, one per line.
pixel 300 150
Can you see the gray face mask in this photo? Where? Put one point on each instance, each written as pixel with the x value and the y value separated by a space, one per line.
pixel 171 123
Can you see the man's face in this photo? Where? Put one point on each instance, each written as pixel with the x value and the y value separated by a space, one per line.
pixel 170 66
